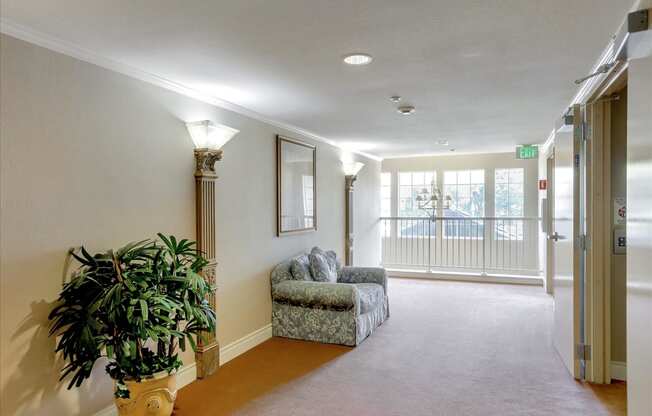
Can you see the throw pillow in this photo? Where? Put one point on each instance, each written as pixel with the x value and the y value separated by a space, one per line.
pixel 338 265
pixel 321 269
pixel 300 268
pixel 331 257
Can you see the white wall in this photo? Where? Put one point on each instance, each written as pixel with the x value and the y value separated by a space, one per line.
pixel 92 157
pixel 639 237
pixel 366 214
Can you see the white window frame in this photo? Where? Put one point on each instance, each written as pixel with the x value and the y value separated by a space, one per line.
pixel 415 186
pixel 514 228
pixel 455 200
pixel 471 183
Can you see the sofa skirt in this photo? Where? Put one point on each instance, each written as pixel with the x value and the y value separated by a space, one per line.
pixel 324 325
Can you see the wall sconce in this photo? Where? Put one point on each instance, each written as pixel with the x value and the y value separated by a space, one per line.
pixel 208 139
pixel 351 170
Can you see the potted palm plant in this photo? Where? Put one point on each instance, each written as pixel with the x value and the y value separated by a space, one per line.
pixel 135 307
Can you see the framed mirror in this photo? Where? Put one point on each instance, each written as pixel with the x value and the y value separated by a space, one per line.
pixel 296 186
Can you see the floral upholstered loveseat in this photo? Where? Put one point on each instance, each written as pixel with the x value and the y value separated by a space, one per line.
pixel 344 309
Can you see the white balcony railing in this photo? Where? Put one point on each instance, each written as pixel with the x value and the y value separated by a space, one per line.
pixel 498 245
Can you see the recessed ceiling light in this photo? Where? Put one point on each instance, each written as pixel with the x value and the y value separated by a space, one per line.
pixel 406 110
pixel 395 98
pixel 358 59
pixel 442 142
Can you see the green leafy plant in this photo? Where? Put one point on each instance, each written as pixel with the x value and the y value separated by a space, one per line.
pixel 136 306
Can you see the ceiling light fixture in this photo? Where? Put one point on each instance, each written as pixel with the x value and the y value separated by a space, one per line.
pixel 442 142
pixel 406 110
pixel 395 98
pixel 358 59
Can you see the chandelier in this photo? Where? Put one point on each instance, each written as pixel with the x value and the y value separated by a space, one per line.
pixel 432 200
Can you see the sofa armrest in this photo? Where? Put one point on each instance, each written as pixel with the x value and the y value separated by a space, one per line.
pixel 364 275
pixel 317 295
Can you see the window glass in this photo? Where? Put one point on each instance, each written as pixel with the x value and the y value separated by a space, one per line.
pixel 410 185
pixel 466 189
pixel 509 195
pixel 509 202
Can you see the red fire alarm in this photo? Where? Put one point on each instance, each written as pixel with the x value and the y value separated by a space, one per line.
pixel 543 184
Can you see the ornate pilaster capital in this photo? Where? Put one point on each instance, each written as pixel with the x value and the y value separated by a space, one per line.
pixel 205 162
pixel 349 179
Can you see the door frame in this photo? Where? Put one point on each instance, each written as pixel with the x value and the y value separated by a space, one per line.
pixel 550 210
pixel 625 46
pixel 595 324
pixel 598 276
pixel 579 240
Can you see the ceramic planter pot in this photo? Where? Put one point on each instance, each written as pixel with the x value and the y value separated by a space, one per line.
pixel 149 397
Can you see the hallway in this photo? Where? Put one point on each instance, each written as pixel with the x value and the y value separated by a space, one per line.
pixel 448 349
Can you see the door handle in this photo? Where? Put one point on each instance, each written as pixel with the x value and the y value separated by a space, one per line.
pixel 555 237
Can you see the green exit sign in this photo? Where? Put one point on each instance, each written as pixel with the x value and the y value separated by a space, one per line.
pixel 527 152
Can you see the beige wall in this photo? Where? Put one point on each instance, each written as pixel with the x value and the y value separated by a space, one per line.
pixel 618 261
pixel 92 157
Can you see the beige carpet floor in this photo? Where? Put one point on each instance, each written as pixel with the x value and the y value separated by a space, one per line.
pixel 448 349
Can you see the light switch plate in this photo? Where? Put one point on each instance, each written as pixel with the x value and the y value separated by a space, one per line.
pixel 620 241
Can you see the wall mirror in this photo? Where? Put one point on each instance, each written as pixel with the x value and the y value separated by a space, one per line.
pixel 296 186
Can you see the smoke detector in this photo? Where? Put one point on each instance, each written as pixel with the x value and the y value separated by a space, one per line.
pixel 406 110
pixel 395 98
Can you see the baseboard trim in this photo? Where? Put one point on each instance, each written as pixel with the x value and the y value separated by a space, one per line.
pixel 468 277
pixel 107 411
pixel 618 370
pixel 188 373
pixel 244 344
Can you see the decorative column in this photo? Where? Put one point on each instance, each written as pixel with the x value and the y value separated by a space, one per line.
pixel 208 139
pixel 351 170
pixel 207 356
pixel 348 229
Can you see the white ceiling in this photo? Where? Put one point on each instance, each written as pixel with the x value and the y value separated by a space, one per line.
pixel 486 75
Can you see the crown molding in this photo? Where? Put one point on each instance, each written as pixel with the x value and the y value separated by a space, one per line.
pixel 446 154
pixel 52 43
